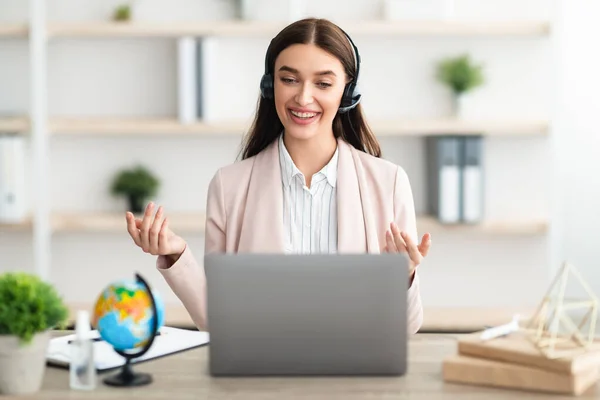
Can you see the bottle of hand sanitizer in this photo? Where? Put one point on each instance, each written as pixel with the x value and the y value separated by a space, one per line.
pixel 82 367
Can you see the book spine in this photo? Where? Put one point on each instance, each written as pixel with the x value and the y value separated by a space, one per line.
pixel 466 370
pixel 187 79
pixel 539 361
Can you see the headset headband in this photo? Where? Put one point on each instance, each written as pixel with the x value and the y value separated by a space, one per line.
pixel 354 49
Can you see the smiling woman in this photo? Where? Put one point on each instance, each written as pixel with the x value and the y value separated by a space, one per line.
pixel 311 67
pixel 311 179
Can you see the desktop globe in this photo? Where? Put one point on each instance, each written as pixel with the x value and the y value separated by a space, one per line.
pixel 127 315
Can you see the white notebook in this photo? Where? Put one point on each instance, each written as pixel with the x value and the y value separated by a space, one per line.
pixel 168 341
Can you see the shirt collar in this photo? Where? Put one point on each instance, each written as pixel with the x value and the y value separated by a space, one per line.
pixel 289 169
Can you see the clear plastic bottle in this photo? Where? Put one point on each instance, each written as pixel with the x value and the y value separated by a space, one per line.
pixel 82 367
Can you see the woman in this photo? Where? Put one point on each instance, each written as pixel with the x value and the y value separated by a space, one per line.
pixel 311 179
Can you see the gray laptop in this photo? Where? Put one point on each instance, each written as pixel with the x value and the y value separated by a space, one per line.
pixel 307 314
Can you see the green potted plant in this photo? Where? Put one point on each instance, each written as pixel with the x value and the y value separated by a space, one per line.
pixel 122 13
pixel 137 184
pixel 461 75
pixel 29 309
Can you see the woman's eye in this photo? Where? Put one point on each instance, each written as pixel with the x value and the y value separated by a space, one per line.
pixel 287 80
pixel 324 85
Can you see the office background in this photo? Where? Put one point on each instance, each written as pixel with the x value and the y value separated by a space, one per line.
pixel 541 192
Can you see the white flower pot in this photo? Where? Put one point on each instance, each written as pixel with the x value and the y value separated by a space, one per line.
pixel 458 107
pixel 465 106
pixel 22 366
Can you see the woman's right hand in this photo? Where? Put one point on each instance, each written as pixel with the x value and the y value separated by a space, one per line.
pixel 153 235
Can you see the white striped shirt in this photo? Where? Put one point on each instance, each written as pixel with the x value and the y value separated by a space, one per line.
pixel 309 214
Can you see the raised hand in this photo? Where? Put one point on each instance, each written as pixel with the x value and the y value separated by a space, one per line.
pixel 400 242
pixel 153 235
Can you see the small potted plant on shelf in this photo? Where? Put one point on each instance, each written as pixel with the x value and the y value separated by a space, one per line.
pixel 461 75
pixel 122 13
pixel 29 309
pixel 137 184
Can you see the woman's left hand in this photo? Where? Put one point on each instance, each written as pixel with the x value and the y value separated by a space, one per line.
pixel 401 242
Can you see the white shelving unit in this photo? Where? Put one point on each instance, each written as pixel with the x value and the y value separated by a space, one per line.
pixel 38 31
pixel 14 30
pixel 170 126
pixel 246 29
pixel 194 223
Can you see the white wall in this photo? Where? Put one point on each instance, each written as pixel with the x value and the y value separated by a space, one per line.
pixel 577 140
pixel 137 77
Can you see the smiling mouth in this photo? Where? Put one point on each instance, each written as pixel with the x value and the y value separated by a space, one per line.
pixel 303 115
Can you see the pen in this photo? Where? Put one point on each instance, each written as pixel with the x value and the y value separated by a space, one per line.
pixel 501 330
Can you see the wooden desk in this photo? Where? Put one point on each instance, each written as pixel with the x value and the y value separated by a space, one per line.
pixel 184 376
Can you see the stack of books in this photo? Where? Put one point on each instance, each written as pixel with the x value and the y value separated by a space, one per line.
pixel 514 362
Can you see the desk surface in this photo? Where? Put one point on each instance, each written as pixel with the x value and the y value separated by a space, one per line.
pixel 185 376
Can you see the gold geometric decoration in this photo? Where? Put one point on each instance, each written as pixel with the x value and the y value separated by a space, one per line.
pixel 552 329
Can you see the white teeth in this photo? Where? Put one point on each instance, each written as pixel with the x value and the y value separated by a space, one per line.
pixel 303 115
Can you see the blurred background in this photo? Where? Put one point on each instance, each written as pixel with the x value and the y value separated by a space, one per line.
pixel 489 106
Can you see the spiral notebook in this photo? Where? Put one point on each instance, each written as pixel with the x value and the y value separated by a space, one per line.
pixel 168 341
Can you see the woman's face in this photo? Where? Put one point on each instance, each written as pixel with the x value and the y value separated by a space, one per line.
pixel 308 86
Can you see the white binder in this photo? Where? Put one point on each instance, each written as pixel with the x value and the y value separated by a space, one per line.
pixel 444 178
pixel 12 178
pixel 169 341
pixel 472 207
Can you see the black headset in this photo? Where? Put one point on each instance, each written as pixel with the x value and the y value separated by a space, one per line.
pixel 350 98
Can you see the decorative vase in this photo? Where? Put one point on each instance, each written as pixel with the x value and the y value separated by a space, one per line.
pixel 458 105
pixel 136 204
pixel 22 366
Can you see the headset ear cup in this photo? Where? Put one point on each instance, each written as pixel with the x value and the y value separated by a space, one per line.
pixel 350 98
pixel 266 86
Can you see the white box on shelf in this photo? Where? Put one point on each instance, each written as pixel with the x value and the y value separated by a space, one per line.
pixel 269 10
pixel 12 179
pixel 395 10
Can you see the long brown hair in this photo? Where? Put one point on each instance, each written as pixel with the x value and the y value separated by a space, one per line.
pixel 350 126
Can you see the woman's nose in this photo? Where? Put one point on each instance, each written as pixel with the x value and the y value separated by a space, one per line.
pixel 304 95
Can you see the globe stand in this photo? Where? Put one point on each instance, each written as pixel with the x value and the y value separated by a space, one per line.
pixel 127 377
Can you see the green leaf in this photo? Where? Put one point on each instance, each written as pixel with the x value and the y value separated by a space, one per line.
pixel 28 305
pixel 135 182
pixel 460 73
pixel 122 13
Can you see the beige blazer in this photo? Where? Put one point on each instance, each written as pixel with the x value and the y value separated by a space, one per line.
pixel 244 214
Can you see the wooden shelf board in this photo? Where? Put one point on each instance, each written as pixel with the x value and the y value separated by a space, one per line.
pixel 139 126
pixel 508 227
pixel 14 30
pixel 452 28
pixel 107 29
pixel 25 226
pixel 468 319
pixel 115 222
pixel 435 319
pixel 250 28
pixel 441 126
pixel 167 126
pixel 194 223
pixel 14 124
pixel 175 314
